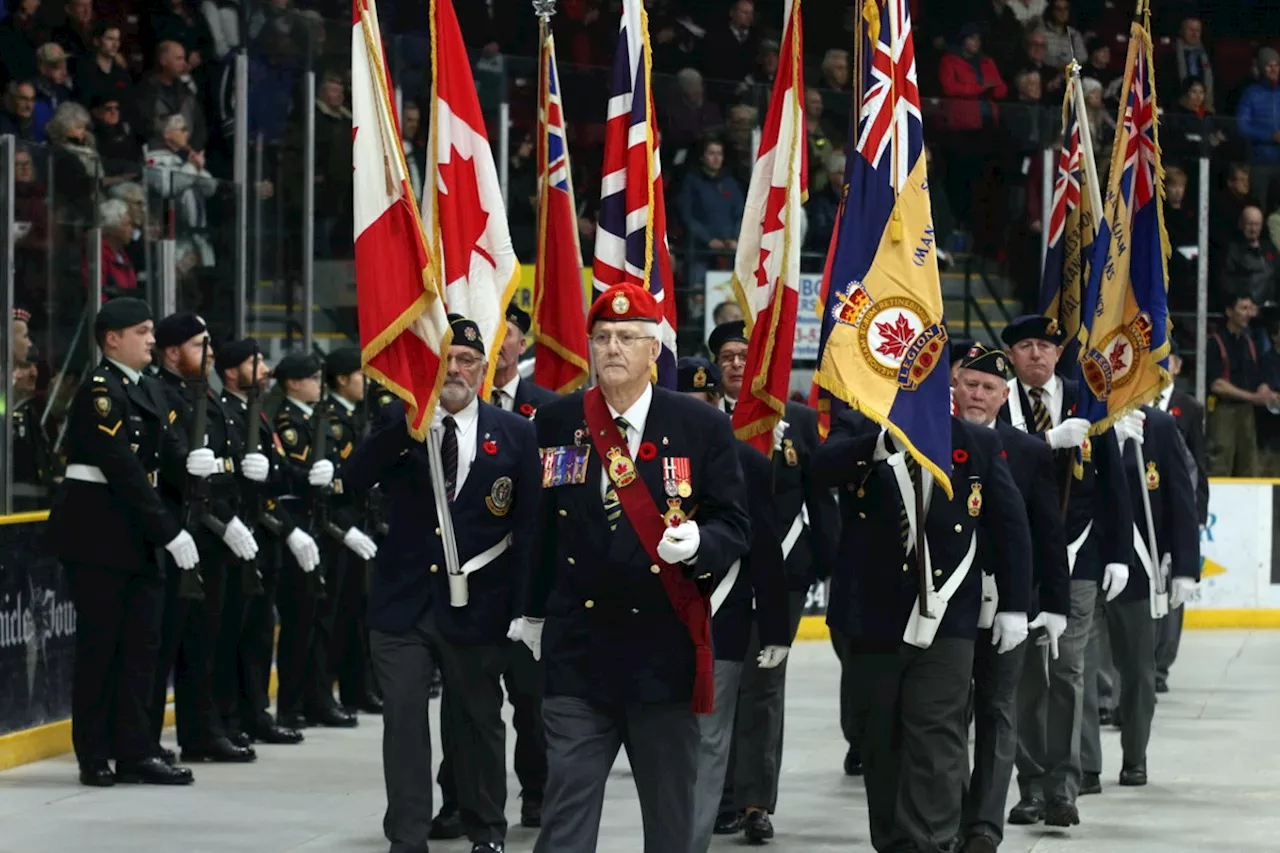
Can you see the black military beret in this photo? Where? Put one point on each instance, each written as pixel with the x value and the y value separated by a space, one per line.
pixel 991 361
pixel 1032 326
pixel 520 317
pixel 120 313
pixel 341 362
pixel 960 346
pixel 297 365
pixel 232 354
pixel 466 333
pixel 176 329
pixel 734 330
pixel 695 373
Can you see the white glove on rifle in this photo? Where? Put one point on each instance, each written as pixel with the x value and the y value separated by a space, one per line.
pixel 515 631
pixel 1182 590
pixel 1055 625
pixel 679 544
pixel 255 467
pixel 321 473
pixel 201 463
pixel 362 545
pixel 779 430
pixel 240 539
pixel 183 550
pixel 772 656
pixel 1130 427
pixel 1115 577
pixel 1008 631
pixel 1068 435
pixel 531 635
pixel 304 548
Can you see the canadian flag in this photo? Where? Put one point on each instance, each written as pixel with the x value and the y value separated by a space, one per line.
pixel 766 269
pixel 462 206
pixel 403 325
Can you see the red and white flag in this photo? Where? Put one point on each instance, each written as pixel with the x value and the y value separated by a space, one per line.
pixel 766 270
pixel 403 325
pixel 462 207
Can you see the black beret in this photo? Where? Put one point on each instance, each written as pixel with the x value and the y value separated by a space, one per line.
pixel 297 365
pixel 466 333
pixel 695 373
pixel 734 330
pixel 341 362
pixel 960 346
pixel 176 329
pixel 120 313
pixel 520 317
pixel 1030 326
pixel 232 354
pixel 991 361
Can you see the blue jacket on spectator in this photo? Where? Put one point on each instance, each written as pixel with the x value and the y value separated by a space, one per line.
pixel 710 207
pixel 1259 120
pixel 270 98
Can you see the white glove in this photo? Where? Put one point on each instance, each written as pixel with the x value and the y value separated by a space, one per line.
pixel 364 547
pixel 1115 577
pixel 680 544
pixel 201 463
pixel 514 631
pixel 183 550
pixel 1008 631
pixel 1055 625
pixel 1130 427
pixel 531 635
pixel 772 656
pixel 240 540
pixel 304 548
pixel 779 430
pixel 321 473
pixel 255 467
pixel 1182 590
pixel 1069 434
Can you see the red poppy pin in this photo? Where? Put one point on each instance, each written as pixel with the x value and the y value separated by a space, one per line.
pixel 959 456
pixel 491 448
pixel 1004 454
pixel 1175 411
pixel 526 409
pixel 647 451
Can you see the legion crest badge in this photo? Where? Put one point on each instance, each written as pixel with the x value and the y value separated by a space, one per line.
pixel 674 516
pixel 975 500
pixel 621 304
pixel 1086 450
pixel 898 338
pixel 470 333
pixel 622 471
pixel 789 453
pixel 499 498
pixel 700 378
pixel 1109 366
pixel 1153 477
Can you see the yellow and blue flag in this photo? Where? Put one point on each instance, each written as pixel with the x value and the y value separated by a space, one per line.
pixel 1124 348
pixel 884 348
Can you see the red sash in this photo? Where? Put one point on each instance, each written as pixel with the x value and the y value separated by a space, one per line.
pixel 688 603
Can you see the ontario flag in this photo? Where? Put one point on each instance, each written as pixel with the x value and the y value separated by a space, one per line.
pixel 1125 336
pixel 766 269
pixel 462 207
pixel 403 323
pixel 559 316
pixel 883 348
pixel 631 233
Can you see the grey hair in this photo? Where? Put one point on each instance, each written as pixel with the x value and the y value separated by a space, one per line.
pixel 688 75
pixel 832 55
pixel 112 212
pixel 170 122
pixel 66 116
pixel 128 191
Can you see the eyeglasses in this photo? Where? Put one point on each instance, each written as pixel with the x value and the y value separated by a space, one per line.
pixel 732 358
pixel 464 361
pixel 626 340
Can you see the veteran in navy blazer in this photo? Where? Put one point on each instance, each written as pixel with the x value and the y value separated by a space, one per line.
pixel 491 473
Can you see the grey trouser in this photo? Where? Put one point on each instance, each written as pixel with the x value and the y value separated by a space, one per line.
pixel 1101 686
pixel 582 742
pixel 1168 638
pixel 995 691
pixel 1134 633
pixel 716 738
pixel 1051 706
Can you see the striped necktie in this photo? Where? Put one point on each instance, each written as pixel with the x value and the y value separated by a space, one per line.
pixel 1039 414
pixel 904 520
pixel 613 506
pixel 449 456
pixel 497 398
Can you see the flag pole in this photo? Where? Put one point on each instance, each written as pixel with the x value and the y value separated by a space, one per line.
pixel 1086 141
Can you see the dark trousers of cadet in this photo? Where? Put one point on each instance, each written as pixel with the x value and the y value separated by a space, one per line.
pixel 337 607
pixel 756 756
pixel 1051 705
pixel 583 740
pixel 848 727
pixel 118 619
pixel 1168 638
pixel 1133 634
pixel 296 603
pixel 910 714
pixel 258 641
pixel 188 642
pixel 995 740
pixel 715 741
pixel 226 657
pixel 348 651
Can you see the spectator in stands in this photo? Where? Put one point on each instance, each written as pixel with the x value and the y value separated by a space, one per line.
pixel 52 81
pixel 689 115
pixel 176 172
pixel 1233 371
pixel 1181 222
pixel 675 45
pixel 710 203
pixel 823 207
pixel 17 114
pixel 1226 207
pixel 739 159
pixel 1259 116
pixel 820 138
pixel 1051 76
pixel 971 83
pixel 1028 12
pixel 757 88
pixel 729 50
pixel 1189 130
pixel 77 33
pixel 165 93
pixel 1251 263
pixel 273 77
pixel 21 32
pixel 1190 60
pixel 415 151
pixel 178 21
pixel 333 234
pixel 30 230
pixel 1002 32
pixel 1098 67
pixel 222 17
pixel 144 229
pixel 103 74
pixel 117 145
pixel 77 169
pixel 1063 41
pixel 1268 417
pixel 836 90
pixel 1102 125
pixel 118 275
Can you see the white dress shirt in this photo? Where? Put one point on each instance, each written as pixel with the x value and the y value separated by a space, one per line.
pixel 306 407
pixel 636 416
pixel 467 421
pixel 134 375
pixel 1052 400
pixel 1165 396
pixel 507 394
pixel 346 404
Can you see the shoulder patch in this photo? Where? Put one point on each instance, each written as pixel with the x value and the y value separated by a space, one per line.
pixel 335 428
pixel 385 399
pixel 102 405
pixel 289 436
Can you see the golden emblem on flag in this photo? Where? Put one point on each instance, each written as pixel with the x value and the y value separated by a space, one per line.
pixel 1109 366
pixel 674 516
pixel 1153 477
pixel 622 471
pixel 898 338
pixel 621 304
pixel 975 500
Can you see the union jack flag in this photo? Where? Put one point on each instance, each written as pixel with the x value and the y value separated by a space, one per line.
pixel 893 94
pixel 631 235
pixel 1140 128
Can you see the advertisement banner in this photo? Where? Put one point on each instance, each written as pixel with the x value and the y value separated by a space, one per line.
pixel 1236 547
pixel 718 289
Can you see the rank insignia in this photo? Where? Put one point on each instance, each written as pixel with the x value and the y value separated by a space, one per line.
pixel 1153 477
pixel 499 499
pixel 676 476
pixel 621 304
pixel 674 516
pixel 789 453
pixel 975 500
pixel 335 429
pixel 700 378
pixel 1086 451
pixel 622 471
pixel 103 405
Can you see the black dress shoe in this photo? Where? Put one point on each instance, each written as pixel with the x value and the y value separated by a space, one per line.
pixel 97 774
pixel 371 705
pixel 293 720
pixel 852 762
pixel 240 739
pixel 759 828
pixel 334 718
pixel 168 756
pixel 487 847
pixel 446 825
pixel 1029 810
pixel 1134 775
pixel 1104 716
pixel 151 771
pixel 1162 687
pixel 219 750
pixel 531 814
pixel 1061 813
pixel 729 823
pixel 275 734
pixel 1090 783
pixel 980 844
pixel 437 684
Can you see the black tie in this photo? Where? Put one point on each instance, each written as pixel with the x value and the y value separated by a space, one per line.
pixel 496 398
pixel 910 463
pixel 449 451
pixel 728 407
pixel 612 506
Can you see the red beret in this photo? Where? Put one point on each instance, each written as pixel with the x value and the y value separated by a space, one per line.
pixel 624 302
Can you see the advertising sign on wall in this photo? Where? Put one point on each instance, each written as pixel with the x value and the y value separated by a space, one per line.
pixel 719 289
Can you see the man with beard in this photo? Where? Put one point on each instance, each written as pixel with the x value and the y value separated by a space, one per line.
pixel 421 608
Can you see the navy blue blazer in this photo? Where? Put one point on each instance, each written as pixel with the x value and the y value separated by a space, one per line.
pixel 529 398
pixel 1189 415
pixel 499 497
pixel 793 487
pixel 875 589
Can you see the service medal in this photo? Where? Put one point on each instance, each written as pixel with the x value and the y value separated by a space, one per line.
pixel 684 489
pixel 499 498
pixel 1153 477
pixel 975 500
pixel 622 471
pixel 789 453
pixel 1086 451
pixel 674 516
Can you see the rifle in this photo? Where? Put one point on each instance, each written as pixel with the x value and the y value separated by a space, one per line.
pixel 195 500
pixel 255 515
pixel 321 525
pixel 373 497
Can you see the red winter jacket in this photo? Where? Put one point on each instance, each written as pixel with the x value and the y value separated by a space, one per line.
pixel 965 96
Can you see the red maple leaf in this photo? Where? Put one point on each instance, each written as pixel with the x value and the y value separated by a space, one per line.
pixel 462 218
pixel 1117 357
pixel 762 276
pixel 776 200
pixel 896 336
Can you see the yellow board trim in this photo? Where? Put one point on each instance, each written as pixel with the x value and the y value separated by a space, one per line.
pixel 25 517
